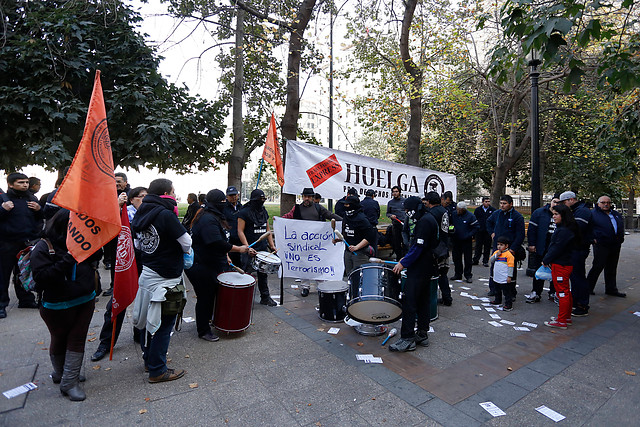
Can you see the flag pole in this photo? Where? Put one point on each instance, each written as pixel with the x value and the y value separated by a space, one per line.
pixel 260 172
pixel 114 320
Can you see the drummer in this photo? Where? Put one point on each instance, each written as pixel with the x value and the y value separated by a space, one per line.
pixel 210 234
pixel 357 233
pixel 309 211
pixel 420 267
pixel 253 221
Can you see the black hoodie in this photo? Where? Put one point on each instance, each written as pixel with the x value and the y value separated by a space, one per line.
pixel 210 238
pixel 157 229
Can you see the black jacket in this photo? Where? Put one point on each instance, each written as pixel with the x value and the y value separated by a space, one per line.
pixel 371 210
pixel 563 243
pixel 482 216
pixel 603 231
pixel 20 223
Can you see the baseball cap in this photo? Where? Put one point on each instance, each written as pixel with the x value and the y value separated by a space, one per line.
pixel 461 205
pixel 567 195
pixel 231 191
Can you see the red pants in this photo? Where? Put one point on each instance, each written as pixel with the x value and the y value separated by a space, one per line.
pixel 561 275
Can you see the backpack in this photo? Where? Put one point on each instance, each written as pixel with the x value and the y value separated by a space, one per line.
pixel 24 265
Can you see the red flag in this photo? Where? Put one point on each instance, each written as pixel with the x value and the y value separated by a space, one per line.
pixel 89 188
pixel 271 151
pixel 125 281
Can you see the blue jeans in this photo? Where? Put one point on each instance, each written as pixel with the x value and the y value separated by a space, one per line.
pixel 155 354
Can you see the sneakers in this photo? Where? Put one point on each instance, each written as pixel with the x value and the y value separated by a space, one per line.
pixel 422 339
pixel 507 308
pixel 494 302
pixel 108 292
pixel 455 278
pixel 268 301
pixel 403 345
pixel 3 312
pixel 616 293
pixel 485 264
pixel 533 298
pixel 446 302
pixel 580 312
pixel 556 324
pixel 552 296
pixel 209 336
pixel 169 375
pixel 569 322
pixel 304 292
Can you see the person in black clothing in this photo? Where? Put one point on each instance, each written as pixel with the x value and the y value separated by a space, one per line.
pixel 420 267
pixel 253 221
pixel 210 233
pixel 395 211
pixel 465 226
pixel 371 209
pixel 357 233
pixel 34 185
pixel 192 199
pixel 443 220
pixel 483 238
pixel 20 222
pixel 339 208
pixel 68 301
pixel 231 209
pixel 317 197
pixel 201 199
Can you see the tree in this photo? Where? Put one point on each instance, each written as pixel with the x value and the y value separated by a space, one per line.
pixel 49 56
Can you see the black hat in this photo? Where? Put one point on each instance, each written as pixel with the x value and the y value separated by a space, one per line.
pixel 257 194
pixel 308 191
pixel 412 203
pixel 317 196
pixel 352 191
pixel 215 196
pixel 352 201
pixel 370 192
pixel 232 190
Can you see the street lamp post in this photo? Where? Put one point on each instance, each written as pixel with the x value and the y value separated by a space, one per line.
pixel 330 201
pixel 536 192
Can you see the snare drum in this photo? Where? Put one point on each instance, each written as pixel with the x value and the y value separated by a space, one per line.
pixel 332 297
pixel 433 296
pixel 266 262
pixel 234 302
pixel 374 295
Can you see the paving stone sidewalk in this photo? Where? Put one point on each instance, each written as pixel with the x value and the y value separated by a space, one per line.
pixel 286 370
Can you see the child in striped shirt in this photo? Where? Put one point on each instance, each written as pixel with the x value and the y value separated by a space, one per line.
pixel 503 266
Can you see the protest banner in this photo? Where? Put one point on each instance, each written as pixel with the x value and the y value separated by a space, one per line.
pixel 306 251
pixel 331 172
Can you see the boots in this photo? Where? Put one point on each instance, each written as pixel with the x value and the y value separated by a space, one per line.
pixel 57 360
pixel 70 384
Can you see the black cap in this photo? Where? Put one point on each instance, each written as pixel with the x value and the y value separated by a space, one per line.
pixel 412 203
pixel 257 194
pixel 308 191
pixel 352 201
pixel 352 191
pixel 370 192
pixel 232 190
pixel 215 196
pixel 317 196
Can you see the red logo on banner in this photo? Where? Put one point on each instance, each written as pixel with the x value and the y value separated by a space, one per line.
pixel 324 170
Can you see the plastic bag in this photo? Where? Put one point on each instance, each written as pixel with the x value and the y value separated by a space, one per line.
pixel 188 259
pixel 543 273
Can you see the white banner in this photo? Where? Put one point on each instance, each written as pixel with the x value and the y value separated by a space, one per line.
pixel 331 172
pixel 306 251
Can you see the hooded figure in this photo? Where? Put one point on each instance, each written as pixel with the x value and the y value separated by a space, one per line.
pixel 358 233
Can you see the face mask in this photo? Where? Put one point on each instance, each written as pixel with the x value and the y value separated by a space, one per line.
pixel 410 214
pixel 351 212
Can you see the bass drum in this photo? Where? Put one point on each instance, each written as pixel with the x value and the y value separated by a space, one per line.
pixel 374 295
pixel 234 302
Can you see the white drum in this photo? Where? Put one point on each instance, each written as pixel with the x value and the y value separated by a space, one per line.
pixel 266 262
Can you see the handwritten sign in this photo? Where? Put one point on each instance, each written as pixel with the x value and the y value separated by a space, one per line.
pixel 306 251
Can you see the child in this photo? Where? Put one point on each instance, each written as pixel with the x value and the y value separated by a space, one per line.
pixel 503 266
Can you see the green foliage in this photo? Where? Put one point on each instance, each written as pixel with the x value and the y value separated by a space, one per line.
pixel 51 50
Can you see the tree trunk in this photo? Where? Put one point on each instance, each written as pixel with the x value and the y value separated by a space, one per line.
pixel 237 159
pixel 499 184
pixel 415 103
pixel 290 118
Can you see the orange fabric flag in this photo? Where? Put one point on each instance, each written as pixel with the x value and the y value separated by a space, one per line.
pixel 89 188
pixel 271 151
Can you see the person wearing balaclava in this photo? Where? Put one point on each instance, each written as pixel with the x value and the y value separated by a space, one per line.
pixel 253 222
pixel 210 234
pixel 357 233
pixel 20 222
pixel 420 267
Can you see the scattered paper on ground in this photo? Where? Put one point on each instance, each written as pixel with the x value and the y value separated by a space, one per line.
pixel 531 325
pixel 521 328
pixel 458 334
pixel 490 309
pixel 188 319
pixel 19 390
pixel 363 356
pixel 496 324
pixel 494 316
pixel 430 329
pixel 550 413
pixel 465 288
pixel 637 313
pixel 506 322
pixel 373 360
pixel 491 408
pixel 294 286
pixel 476 307
pixel 333 331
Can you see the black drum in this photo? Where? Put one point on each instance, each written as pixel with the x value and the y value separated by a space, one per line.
pixel 374 295
pixel 332 297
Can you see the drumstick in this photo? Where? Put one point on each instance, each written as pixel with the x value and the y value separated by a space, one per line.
pixel 261 238
pixel 339 235
pixel 238 269
pixel 399 221
pixel 382 261
pixel 392 333
pixel 333 227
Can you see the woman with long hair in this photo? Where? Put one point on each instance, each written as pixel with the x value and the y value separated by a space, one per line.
pixel 68 300
pixel 210 234
pixel 565 240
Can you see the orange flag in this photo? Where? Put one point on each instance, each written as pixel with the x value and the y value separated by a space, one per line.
pixel 89 188
pixel 271 151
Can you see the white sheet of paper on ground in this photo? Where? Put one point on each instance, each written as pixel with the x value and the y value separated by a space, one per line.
pixel 496 324
pixel 19 390
pixel 188 319
pixel 458 334
pixel 494 316
pixel 363 356
pixel 491 408
pixel 373 360
pixel 506 322
pixel 637 313
pixel 476 307
pixel 550 413
pixel 545 289
pixel 485 299
pixel 294 286
pixel 490 309
pixel 465 288
pixel 464 294
pixel 430 329
pixel 484 280
pixel 521 328
pixel 333 331
pixel 531 325
pixel 486 304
